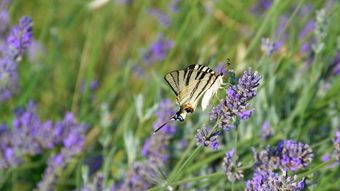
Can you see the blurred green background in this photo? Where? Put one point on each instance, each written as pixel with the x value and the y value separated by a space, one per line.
pixel 82 43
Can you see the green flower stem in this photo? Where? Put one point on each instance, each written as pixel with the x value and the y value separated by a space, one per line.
pixel 320 166
pixel 321 142
pixel 298 7
pixel 187 161
pixel 179 170
pixel 210 176
pixel 213 157
pixel 175 169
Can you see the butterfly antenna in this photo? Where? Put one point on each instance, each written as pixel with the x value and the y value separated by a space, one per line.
pixel 159 128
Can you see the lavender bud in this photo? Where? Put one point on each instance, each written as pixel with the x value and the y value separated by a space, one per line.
pixel 236 101
pixel 158 50
pixel 266 132
pixel 205 138
pixel 267 46
pixel 232 170
pixel 295 155
pixel 268 180
pixel 336 143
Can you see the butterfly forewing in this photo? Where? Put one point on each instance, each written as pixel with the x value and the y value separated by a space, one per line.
pixel 190 84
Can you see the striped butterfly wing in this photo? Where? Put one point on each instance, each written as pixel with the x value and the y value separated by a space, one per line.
pixel 190 84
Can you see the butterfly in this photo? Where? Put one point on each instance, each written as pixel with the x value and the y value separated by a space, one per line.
pixel 189 85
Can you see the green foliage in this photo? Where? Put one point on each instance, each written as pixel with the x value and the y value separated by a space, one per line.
pixel 300 97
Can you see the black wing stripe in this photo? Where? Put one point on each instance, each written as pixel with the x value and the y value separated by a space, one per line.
pixel 197 74
pixel 205 86
pixel 174 78
pixel 185 73
pixel 188 78
pixel 171 85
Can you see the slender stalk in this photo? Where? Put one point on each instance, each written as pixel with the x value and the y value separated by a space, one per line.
pixel 179 170
pixel 209 176
pixel 187 161
pixel 320 166
pixel 298 7
pixel 175 169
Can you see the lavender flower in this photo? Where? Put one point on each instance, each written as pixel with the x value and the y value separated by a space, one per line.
pixel 3 17
pixel 232 170
pixel 97 184
pixel 19 38
pixel 335 67
pixel 163 18
pixel 268 46
pixel 294 155
pixel 236 102
pixel 336 143
pixel 21 140
pixel 266 132
pixel 266 159
pixel 158 50
pixel 155 149
pixel 8 79
pixel 205 137
pixel 326 157
pixel 287 155
pixel 30 136
pixel 141 176
pixel 17 41
pixel 307 29
pixel 73 138
pixel 261 6
pixel 282 23
pixel 268 180
pixel 173 6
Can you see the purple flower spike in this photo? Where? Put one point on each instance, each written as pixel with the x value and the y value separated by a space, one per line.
pixel 266 131
pixel 158 50
pixel 97 183
pixel 17 42
pixel 72 135
pixel 297 155
pixel 155 149
pixel 232 170
pixel 3 17
pixel 268 180
pixel 268 46
pixel 287 155
pixel 163 18
pixel 336 143
pixel 141 176
pixel 20 37
pixel 335 67
pixel 204 138
pixel 236 101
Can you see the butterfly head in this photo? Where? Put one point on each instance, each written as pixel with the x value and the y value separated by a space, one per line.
pixel 183 111
pixel 179 116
